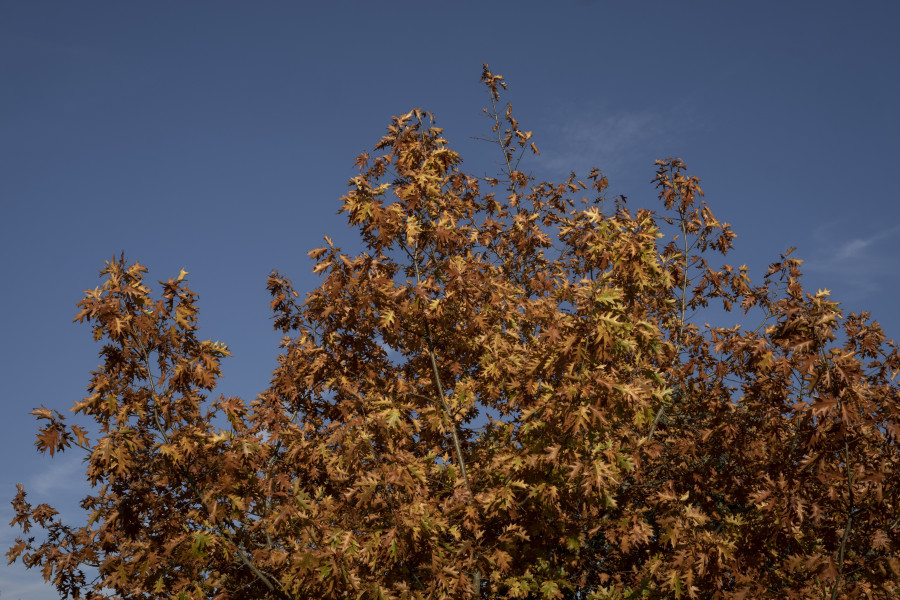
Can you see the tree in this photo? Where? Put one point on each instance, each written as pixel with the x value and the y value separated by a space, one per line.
pixel 502 397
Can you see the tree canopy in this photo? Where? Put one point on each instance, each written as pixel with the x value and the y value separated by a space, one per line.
pixel 507 394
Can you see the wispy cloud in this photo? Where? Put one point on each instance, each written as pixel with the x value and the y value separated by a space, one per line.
pixel 620 142
pixel 607 141
pixel 856 249
pixel 63 476
pixel 851 250
pixel 860 262
pixel 19 583
pixel 62 485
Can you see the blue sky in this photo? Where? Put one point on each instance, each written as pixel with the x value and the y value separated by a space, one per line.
pixel 219 137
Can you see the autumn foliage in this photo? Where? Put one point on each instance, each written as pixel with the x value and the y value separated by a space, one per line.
pixel 509 394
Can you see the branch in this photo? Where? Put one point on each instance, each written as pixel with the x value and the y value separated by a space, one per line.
pixel 440 392
pixel 680 339
pixel 850 507
pixel 239 549
pixel 448 418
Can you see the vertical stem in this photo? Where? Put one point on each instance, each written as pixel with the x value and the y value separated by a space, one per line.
pixel 680 338
pixel 851 501
pixel 848 526
pixel 448 418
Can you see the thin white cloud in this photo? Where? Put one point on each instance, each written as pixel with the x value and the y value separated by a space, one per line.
pixel 851 250
pixel 62 485
pixel 607 142
pixel 855 249
pixel 19 583
pixel 621 142
pixel 65 474
pixel 860 263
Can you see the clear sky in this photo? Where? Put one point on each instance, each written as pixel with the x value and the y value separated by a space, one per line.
pixel 219 137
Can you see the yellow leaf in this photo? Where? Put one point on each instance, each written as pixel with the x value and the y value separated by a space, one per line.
pixel 412 230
